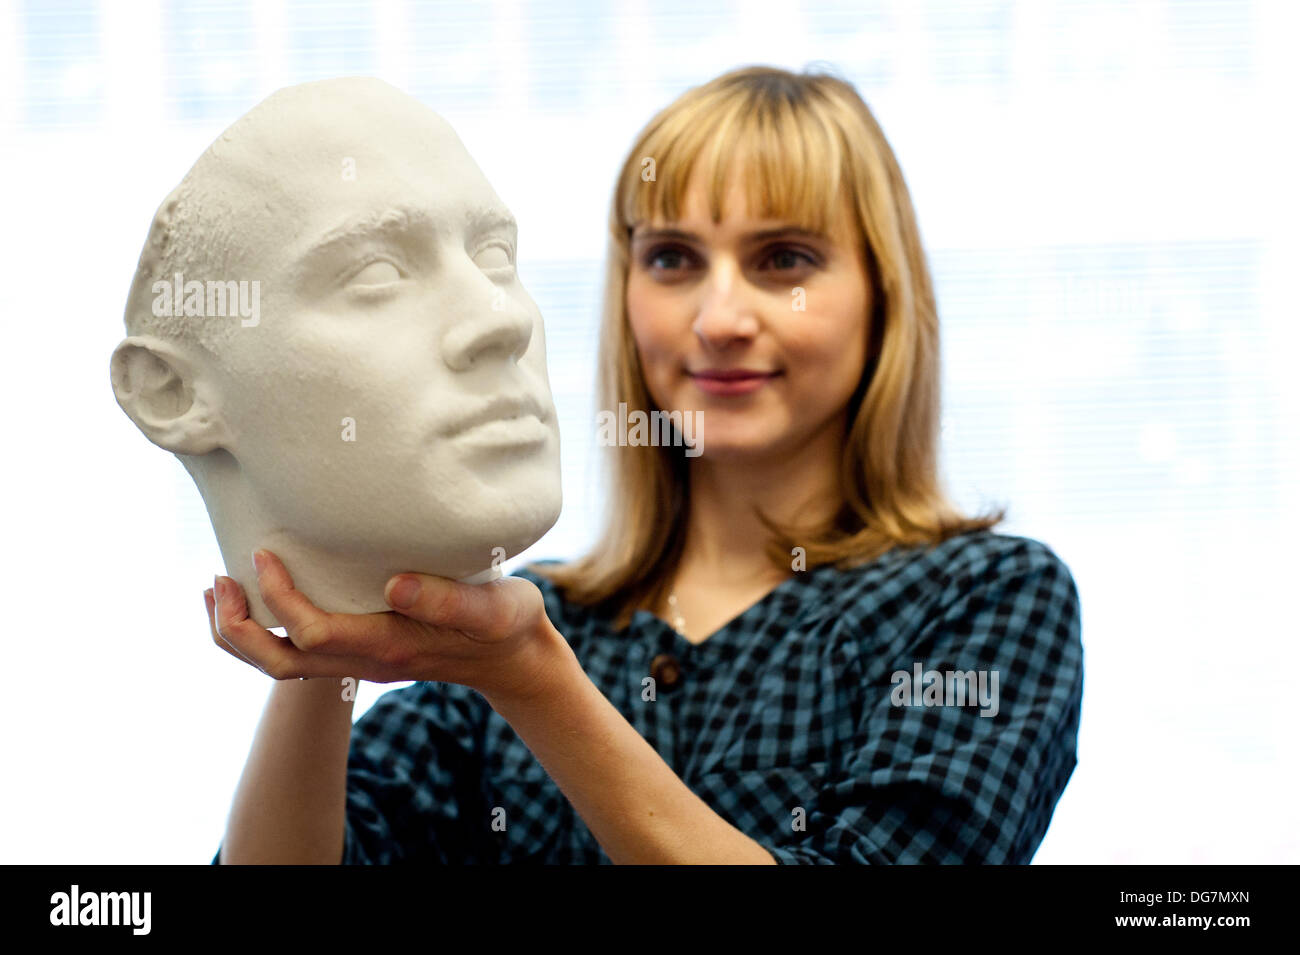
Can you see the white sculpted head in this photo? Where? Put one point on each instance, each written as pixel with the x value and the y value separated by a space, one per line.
pixel 324 314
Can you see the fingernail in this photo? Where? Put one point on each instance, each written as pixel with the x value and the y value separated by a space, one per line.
pixel 209 600
pixel 259 561
pixel 218 589
pixel 403 593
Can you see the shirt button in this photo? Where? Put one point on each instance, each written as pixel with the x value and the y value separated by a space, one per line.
pixel 665 669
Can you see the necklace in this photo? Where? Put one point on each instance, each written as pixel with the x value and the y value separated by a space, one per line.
pixel 679 624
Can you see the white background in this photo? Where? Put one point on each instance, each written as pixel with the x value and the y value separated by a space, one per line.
pixel 1108 193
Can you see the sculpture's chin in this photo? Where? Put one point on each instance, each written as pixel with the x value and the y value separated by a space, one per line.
pixel 499 531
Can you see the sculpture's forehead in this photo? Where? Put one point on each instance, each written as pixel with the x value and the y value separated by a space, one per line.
pixel 297 166
pixel 323 138
pixel 316 109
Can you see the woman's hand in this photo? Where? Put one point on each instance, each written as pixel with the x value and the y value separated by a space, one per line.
pixel 493 637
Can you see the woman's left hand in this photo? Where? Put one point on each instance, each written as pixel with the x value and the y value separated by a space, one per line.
pixel 493 637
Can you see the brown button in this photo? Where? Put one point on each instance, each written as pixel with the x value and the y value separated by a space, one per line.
pixel 665 669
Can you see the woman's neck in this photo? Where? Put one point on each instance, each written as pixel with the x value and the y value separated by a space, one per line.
pixel 725 543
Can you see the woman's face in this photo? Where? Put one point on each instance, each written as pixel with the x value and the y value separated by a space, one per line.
pixel 780 312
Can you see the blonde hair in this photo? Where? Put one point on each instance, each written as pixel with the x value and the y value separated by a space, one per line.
pixel 806 141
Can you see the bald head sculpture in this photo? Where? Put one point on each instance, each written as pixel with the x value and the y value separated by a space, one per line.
pixel 327 330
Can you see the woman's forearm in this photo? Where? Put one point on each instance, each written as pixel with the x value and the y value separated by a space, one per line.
pixel 638 809
pixel 290 803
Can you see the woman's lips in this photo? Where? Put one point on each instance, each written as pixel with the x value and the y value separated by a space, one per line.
pixel 731 382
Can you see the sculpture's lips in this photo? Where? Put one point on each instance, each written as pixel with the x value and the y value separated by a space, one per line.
pixel 504 413
pixel 504 434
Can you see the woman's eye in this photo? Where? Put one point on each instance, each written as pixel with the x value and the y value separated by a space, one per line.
pixel 493 257
pixel 786 258
pixel 666 259
pixel 376 273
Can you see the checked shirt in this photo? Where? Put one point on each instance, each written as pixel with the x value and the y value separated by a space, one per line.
pixel 788 722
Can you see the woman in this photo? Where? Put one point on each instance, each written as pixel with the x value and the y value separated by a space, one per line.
pixel 787 647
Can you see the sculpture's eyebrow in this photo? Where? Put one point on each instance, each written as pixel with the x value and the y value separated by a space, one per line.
pixel 490 218
pixel 391 223
pixel 385 224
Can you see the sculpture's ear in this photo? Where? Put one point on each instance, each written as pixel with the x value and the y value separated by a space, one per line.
pixel 160 390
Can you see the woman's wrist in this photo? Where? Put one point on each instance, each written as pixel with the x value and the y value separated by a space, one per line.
pixel 547 663
pixel 319 690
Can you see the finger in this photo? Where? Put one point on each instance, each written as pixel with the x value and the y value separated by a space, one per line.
pixel 210 602
pixel 290 606
pixel 275 656
pixel 314 630
pixel 481 611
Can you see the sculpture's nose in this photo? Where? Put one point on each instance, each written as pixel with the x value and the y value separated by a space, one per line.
pixel 501 331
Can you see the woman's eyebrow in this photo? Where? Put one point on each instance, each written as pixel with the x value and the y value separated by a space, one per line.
pixel 682 234
pixel 789 231
pixel 762 235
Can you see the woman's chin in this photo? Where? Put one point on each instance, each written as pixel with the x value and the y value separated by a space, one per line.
pixel 715 448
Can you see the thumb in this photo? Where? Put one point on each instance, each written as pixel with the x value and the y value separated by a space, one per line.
pixel 490 610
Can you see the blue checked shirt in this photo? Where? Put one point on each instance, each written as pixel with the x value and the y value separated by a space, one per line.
pixel 827 721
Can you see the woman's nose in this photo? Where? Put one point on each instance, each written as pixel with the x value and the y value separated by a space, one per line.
pixel 500 328
pixel 726 310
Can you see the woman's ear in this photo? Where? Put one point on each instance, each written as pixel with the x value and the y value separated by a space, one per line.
pixel 159 390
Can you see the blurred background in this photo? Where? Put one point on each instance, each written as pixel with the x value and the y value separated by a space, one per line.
pixel 1108 194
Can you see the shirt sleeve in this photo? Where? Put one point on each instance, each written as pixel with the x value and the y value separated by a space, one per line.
pixel 976 783
pixel 414 779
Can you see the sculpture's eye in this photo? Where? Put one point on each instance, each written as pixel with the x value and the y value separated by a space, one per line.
pixel 378 272
pixel 493 257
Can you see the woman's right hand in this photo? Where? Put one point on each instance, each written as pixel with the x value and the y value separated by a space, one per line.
pixel 494 637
